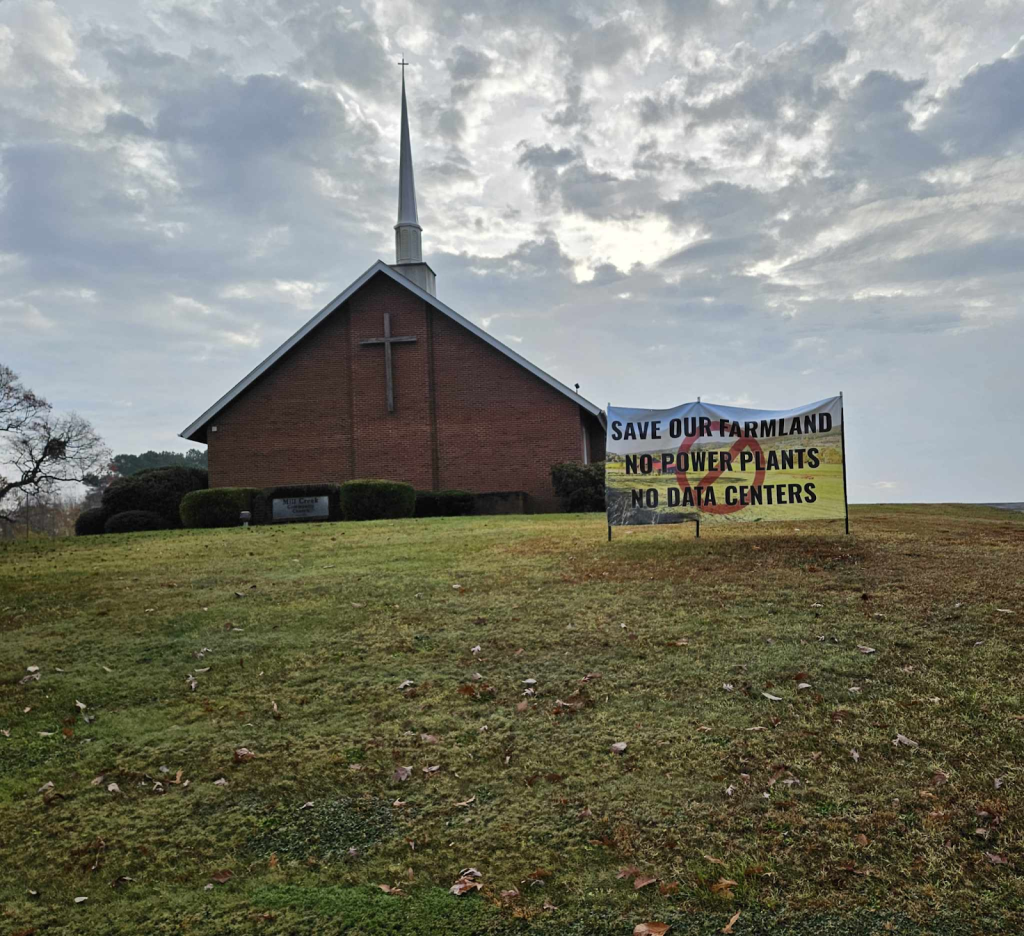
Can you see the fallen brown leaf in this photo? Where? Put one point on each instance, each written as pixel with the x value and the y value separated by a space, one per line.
pixel 466 882
pixel 642 881
pixel 727 929
pixel 723 886
pixel 221 877
pixel 651 929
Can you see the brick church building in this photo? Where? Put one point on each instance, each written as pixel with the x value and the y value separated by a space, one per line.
pixel 386 381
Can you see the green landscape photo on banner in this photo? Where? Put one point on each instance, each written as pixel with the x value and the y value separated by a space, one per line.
pixel 725 464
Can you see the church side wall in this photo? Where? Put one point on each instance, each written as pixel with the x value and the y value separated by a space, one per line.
pixel 597 435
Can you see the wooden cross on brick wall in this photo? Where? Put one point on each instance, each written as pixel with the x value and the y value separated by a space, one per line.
pixel 388 341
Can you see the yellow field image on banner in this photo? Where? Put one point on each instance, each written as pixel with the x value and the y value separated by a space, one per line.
pixel 725 464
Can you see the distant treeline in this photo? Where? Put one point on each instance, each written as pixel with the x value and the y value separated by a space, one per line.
pixel 125 465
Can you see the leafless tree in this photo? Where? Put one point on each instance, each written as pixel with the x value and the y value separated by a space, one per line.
pixel 41 450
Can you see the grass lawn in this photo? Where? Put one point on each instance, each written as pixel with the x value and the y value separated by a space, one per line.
pixel 798 811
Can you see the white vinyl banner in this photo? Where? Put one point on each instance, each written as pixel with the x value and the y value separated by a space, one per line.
pixel 701 461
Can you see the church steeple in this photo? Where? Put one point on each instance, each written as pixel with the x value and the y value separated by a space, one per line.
pixel 407 214
pixel 408 233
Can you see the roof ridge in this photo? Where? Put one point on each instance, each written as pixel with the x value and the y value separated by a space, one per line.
pixel 379 267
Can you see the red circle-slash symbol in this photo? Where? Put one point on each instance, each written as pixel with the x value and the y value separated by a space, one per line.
pixel 712 476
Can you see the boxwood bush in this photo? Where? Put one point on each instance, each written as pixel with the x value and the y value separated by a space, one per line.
pixel 216 507
pixel 444 503
pixel 377 500
pixel 579 487
pixel 134 521
pixel 90 522
pixel 158 490
pixel 263 502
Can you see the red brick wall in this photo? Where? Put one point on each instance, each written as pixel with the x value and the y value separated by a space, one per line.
pixel 466 416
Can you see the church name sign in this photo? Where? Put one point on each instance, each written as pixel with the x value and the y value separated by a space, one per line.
pixel 711 463
pixel 300 508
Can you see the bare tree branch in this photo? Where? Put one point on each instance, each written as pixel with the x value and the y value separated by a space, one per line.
pixel 18 405
pixel 40 451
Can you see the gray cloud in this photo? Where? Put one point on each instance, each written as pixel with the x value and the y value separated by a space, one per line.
pixel 338 43
pixel 468 65
pixel 985 113
pixel 575 112
pixel 789 87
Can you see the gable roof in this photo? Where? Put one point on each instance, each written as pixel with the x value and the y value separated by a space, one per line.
pixel 192 430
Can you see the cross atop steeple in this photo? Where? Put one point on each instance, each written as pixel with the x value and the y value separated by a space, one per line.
pixel 403 63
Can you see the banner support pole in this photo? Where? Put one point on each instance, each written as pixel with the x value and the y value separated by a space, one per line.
pixel 842 437
pixel 698 529
pixel 609 532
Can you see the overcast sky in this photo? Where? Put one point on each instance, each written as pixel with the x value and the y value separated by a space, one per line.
pixel 758 203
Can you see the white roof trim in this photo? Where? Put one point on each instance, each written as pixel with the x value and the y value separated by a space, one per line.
pixel 380 267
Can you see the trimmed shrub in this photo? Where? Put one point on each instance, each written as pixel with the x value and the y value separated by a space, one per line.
pixel 216 507
pixel 134 521
pixel 90 522
pixel 377 500
pixel 579 487
pixel 158 490
pixel 444 503
pixel 263 502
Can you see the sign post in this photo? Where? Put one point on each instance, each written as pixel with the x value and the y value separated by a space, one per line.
pixel 842 431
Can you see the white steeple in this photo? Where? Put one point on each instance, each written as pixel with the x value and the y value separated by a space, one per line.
pixel 408 233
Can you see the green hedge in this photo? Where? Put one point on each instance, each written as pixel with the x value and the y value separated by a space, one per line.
pixel 216 507
pixel 158 490
pixel 134 521
pixel 444 503
pixel 579 487
pixel 90 522
pixel 263 502
pixel 377 500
